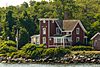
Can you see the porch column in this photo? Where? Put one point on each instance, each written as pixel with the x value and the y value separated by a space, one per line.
pixel 56 42
pixel 63 43
pixel 85 39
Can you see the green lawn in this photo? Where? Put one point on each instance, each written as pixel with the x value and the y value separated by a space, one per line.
pixel 87 52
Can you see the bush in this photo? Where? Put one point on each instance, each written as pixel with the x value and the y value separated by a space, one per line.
pixel 60 52
pixel 50 52
pixel 81 48
pixel 41 45
pixel 29 47
pixel 10 43
pixel 7 49
pixel 36 54
pixel 32 50
pixel 19 54
pixel 56 52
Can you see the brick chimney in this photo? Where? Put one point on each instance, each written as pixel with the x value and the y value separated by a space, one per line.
pixel 66 15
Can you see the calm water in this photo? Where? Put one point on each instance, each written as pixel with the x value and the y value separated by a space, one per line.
pixel 49 65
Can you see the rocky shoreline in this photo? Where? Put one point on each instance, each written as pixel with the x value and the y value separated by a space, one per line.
pixel 67 59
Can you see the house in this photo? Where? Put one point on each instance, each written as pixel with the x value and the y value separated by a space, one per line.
pixel 35 39
pixel 96 41
pixel 55 32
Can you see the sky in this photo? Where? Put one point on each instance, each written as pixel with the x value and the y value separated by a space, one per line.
pixel 4 3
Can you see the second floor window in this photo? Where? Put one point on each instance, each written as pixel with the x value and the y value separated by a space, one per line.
pixel 77 30
pixel 44 30
pixel 44 21
pixel 57 31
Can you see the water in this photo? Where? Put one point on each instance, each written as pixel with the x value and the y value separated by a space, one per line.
pixel 49 65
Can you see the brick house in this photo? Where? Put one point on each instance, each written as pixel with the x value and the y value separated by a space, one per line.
pixel 96 41
pixel 55 33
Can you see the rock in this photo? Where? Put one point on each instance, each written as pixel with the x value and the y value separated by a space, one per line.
pixel 93 60
pixel 3 62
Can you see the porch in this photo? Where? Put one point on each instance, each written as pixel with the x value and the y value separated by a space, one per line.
pixel 35 39
pixel 62 41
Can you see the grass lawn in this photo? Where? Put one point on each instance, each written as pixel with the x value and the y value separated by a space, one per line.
pixel 87 52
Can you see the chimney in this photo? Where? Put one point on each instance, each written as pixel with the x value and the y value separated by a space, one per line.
pixel 66 15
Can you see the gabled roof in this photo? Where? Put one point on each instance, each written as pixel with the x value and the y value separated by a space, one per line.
pixel 59 24
pixel 69 25
pixel 95 35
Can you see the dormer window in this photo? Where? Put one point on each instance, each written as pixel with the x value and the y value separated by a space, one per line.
pixel 44 30
pixel 57 30
pixel 77 30
pixel 68 33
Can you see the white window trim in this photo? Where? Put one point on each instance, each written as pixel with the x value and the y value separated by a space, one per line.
pixel 44 40
pixel 77 39
pixel 77 30
pixel 44 21
pixel 44 30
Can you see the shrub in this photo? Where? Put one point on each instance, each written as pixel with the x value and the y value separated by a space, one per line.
pixel 56 52
pixel 19 54
pixel 7 49
pixel 81 48
pixel 60 52
pixel 36 54
pixel 68 47
pixel 49 52
pixel 29 47
pixel 10 43
pixel 41 45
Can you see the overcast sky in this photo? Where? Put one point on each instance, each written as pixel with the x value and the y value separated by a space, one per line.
pixel 4 3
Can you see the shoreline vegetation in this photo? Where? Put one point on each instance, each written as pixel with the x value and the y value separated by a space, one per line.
pixel 31 53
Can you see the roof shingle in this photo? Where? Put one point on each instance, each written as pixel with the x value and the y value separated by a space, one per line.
pixel 69 24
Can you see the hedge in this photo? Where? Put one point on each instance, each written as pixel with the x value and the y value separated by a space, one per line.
pixel 81 48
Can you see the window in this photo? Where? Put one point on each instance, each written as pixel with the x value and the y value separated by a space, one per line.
pixel 70 39
pixel 44 40
pixel 57 30
pixel 54 40
pixel 77 39
pixel 58 40
pixel 67 33
pixel 77 30
pixel 44 21
pixel 44 30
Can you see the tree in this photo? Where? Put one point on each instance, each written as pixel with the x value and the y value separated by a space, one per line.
pixel 23 37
